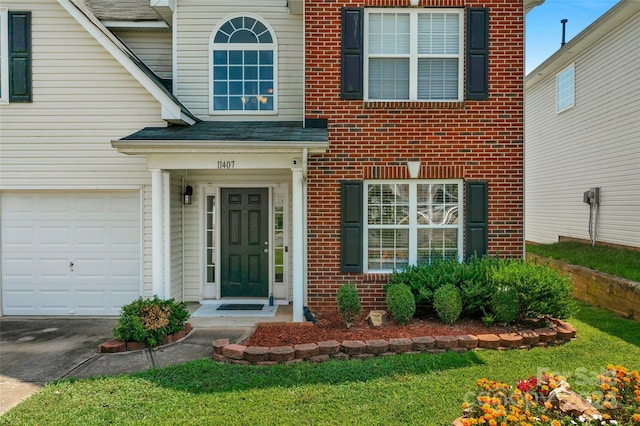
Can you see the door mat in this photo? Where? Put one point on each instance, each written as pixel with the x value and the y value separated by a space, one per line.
pixel 240 307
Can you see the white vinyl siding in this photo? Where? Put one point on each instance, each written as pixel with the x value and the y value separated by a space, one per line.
pixel 596 145
pixel 154 48
pixel 196 22
pixel 82 100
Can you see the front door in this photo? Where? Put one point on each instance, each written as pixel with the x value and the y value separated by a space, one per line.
pixel 244 239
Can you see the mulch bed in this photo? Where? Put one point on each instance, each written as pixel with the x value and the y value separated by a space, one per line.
pixel 330 326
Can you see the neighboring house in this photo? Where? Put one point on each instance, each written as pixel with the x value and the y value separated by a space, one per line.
pixel 228 151
pixel 582 131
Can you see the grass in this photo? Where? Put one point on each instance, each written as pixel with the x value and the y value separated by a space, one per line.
pixel 620 262
pixel 405 389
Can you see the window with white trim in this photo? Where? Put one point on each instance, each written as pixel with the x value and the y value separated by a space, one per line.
pixel 243 67
pixel 565 89
pixel 414 55
pixel 412 222
pixel 4 56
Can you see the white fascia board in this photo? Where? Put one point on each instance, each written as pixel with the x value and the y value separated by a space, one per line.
pixel 171 4
pixel 171 111
pixel 136 24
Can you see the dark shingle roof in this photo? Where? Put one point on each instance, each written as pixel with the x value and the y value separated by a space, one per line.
pixel 234 131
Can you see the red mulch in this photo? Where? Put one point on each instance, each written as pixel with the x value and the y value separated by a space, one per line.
pixel 330 326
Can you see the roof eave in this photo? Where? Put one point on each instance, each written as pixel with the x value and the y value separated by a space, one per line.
pixel 622 11
pixel 143 147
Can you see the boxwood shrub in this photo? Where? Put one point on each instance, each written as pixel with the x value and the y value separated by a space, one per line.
pixel 401 303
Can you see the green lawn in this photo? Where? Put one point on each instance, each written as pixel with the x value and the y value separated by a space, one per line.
pixel 615 261
pixel 409 389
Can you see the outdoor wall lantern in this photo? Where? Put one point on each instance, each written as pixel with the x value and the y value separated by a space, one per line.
pixel 188 194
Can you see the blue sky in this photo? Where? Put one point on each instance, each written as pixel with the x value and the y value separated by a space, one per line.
pixel 544 30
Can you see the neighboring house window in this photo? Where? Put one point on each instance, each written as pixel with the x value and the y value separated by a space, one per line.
pixel 414 55
pixel 4 58
pixel 243 67
pixel 565 89
pixel 411 222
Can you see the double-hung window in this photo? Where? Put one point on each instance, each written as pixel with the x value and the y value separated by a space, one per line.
pixel 565 89
pixel 413 55
pixel 243 67
pixel 412 222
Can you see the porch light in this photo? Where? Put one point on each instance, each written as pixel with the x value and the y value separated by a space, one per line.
pixel 188 193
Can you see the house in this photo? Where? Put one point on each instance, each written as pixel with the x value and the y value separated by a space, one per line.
pixel 211 151
pixel 582 136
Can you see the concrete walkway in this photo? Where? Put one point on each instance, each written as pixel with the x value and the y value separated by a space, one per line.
pixel 37 350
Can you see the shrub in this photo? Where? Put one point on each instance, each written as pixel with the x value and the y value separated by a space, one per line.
pixel 540 290
pixel 349 306
pixel 150 320
pixel 401 303
pixel 448 303
pixel 505 304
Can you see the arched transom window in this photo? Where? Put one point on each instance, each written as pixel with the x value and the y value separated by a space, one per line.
pixel 243 67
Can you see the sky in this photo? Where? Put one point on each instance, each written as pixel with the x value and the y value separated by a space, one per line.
pixel 544 30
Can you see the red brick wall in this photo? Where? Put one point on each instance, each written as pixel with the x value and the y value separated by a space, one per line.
pixel 471 140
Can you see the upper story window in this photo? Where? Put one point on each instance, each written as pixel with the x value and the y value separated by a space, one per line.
pixel 565 89
pixel 414 55
pixel 4 59
pixel 243 67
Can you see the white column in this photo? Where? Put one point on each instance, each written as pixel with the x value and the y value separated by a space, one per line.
pixel 166 231
pixel 298 256
pixel 157 234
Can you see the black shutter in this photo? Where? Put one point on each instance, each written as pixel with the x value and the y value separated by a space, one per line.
pixel 477 215
pixel 352 53
pixel 477 53
pixel 19 56
pixel 351 217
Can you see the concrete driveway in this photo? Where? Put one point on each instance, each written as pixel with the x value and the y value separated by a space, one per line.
pixel 35 351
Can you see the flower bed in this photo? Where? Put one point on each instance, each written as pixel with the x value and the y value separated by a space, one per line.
pixel 614 399
pixel 223 351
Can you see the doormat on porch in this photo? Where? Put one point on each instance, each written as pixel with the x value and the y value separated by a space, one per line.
pixel 240 307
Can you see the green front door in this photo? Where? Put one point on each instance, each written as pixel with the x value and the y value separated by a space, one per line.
pixel 244 241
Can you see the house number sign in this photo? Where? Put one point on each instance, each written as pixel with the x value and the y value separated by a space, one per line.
pixel 226 164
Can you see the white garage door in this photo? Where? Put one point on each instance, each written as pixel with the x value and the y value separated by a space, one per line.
pixel 70 253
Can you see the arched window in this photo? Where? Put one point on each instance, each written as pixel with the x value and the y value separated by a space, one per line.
pixel 243 67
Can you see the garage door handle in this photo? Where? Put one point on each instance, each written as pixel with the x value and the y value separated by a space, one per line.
pixel 71 265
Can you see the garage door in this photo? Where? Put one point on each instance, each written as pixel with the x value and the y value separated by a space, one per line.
pixel 70 253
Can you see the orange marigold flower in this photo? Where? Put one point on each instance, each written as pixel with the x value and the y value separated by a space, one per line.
pixel 465 405
pixel 548 405
pixel 636 418
pixel 544 418
pixel 607 405
pixel 555 423
pixel 605 386
pixel 610 367
pixel 493 423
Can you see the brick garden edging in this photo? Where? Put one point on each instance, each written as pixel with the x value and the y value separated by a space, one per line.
pixel 223 351
pixel 115 346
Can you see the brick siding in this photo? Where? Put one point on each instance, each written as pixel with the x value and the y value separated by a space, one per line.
pixel 471 140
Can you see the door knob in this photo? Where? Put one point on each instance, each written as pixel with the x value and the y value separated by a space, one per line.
pixel 266 250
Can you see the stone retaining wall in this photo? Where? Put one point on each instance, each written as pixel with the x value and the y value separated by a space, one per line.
pixel 223 351
pixel 615 294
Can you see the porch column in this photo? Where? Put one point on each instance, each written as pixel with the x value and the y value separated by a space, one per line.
pixel 157 234
pixel 298 256
pixel 166 231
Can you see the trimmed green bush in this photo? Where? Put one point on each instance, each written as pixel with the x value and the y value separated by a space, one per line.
pixel 448 303
pixel 150 320
pixel 505 304
pixel 348 301
pixel 401 303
